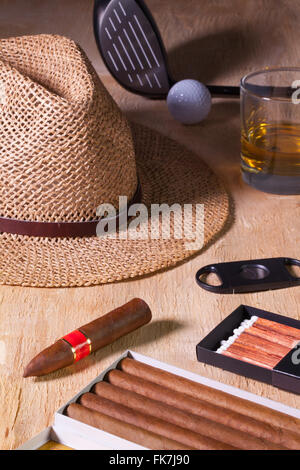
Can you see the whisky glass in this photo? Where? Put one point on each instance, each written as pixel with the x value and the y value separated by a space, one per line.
pixel 270 134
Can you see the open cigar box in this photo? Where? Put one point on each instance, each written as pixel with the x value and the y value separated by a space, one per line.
pixel 77 435
pixel 282 372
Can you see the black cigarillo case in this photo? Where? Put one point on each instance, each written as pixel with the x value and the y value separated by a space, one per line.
pixel 285 375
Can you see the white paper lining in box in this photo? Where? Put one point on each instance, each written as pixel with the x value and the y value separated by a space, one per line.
pixel 80 436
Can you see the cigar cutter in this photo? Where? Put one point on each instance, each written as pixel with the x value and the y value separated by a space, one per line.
pixel 250 276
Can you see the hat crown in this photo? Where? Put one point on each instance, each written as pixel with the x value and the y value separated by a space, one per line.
pixel 65 146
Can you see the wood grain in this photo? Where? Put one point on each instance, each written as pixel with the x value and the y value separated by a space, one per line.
pixel 218 42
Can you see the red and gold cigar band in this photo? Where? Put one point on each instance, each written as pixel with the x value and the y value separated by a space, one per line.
pixel 80 344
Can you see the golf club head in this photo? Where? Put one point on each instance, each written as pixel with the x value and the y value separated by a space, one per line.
pixel 131 46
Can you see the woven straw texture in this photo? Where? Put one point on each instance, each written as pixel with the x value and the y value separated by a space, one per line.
pixel 66 148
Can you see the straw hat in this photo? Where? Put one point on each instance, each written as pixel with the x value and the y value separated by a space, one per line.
pixel 66 149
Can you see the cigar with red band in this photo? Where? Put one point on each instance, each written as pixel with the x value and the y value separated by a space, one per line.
pixel 94 335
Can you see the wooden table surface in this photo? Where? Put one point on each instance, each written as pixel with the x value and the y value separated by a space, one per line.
pixel 217 42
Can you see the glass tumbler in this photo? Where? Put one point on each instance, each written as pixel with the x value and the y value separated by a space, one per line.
pixel 270 134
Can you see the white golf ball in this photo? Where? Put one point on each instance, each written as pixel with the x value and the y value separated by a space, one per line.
pixel 189 101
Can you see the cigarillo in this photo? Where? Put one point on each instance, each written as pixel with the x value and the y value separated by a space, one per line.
pixel 151 423
pixel 183 419
pixel 211 411
pixel 270 335
pixel 216 397
pixel 280 328
pixel 248 353
pixel 264 344
pixel 124 430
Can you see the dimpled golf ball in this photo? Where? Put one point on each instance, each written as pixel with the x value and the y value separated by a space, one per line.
pixel 189 101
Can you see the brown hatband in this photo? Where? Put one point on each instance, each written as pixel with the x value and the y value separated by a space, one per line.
pixel 60 229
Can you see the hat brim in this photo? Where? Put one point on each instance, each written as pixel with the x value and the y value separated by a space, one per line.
pixel 169 173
